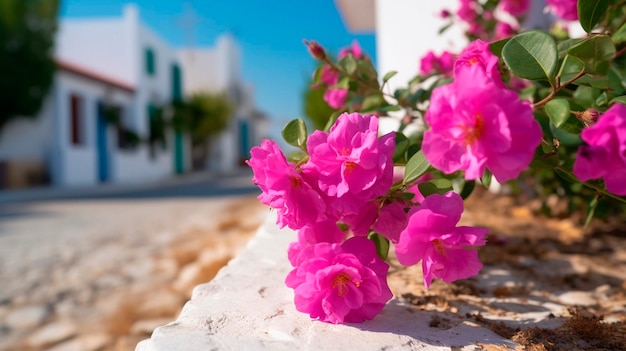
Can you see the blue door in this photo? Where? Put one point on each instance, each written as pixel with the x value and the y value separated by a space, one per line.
pixel 101 145
pixel 244 136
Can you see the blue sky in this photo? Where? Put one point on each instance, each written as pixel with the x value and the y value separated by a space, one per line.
pixel 270 34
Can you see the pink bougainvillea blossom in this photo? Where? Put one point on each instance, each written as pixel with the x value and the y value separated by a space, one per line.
pixel 477 53
pixel 354 49
pixel 335 97
pixel 321 232
pixel 392 218
pixel 283 188
pixel 329 76
pixel 504 30
pixel 431 63
pixel 351 158
pixel 467 10
pixel 476 124
pixel 565 9
pixel 340 283
pixel 604 153
pixel 432 236
pixel 516 8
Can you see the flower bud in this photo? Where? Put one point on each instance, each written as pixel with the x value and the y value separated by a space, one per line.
pixel 589 117
pixel 444 14
pixel 316 50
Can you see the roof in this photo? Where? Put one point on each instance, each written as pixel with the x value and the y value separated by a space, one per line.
pixel 359 16
pixel 93 75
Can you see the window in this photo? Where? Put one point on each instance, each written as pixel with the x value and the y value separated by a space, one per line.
pixel 150 62
pixel 177 91
pixel 77 120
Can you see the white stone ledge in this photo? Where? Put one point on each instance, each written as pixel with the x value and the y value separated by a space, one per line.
pixel 248 307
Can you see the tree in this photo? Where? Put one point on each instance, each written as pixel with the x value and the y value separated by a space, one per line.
pixel 203 115
pixel 27 30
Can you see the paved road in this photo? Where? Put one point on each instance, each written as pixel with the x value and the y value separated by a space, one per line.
pixel 62 251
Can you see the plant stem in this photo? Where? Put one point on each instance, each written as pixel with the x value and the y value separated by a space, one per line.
pixel 556 89
pixel 593 186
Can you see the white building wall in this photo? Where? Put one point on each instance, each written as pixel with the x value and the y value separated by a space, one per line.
pixel 77 164
pixel 406 30
pixel 99 44
pixel 199 73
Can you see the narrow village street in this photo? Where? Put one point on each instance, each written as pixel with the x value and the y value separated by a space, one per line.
pixel 100 272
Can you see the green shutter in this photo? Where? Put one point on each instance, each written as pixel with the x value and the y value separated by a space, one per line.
pixel 177 90
pixel 150 61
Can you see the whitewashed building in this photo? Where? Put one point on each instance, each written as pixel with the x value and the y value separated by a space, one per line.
pixel 218 70
pixel 102 63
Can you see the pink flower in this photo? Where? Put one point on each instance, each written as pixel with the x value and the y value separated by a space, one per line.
pixel 429 63
pixel 433 237
pixel 336 98
pixel 340 283
pixel 351 158
pixel 477 53
pixel 329 76
pixel 516 8
pixel 419 198
pixel 467 10
pixel 321 232
pixel 283 188
pixel 432 63
pixel 446 63
pixel 504 30
pixel 476 124
pixel 565 9
pixel 392 219
pixel 354 49
pixel 604 153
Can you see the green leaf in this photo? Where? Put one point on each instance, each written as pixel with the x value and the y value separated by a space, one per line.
pixel 618 100
pixel 382 245
pixel 435 186
pixel 592 209
pixel 496 46
pixel 569 133
pixel 570 68
pixel 389 108
pixel 295 133
pixel 332 120
pixel 620 36
pixel 594 80
pixel 591 12
pixel 388 76
pixel 372 102
pixel 486 178
pixel 531 55
pixel 468 188
pixel 602 100
pixel 416 167
pixel 348 64
pixel 596 53
pixel 558 111
pixel 402 143
pixel 585 96
pixel 566 176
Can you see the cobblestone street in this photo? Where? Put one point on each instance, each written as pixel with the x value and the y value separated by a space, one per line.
pixel 101 274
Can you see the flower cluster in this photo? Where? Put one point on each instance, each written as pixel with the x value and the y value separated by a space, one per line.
pixel 352 193
pixel 476 123
pixel 344 191
pixel 604 153
pixel 491 19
